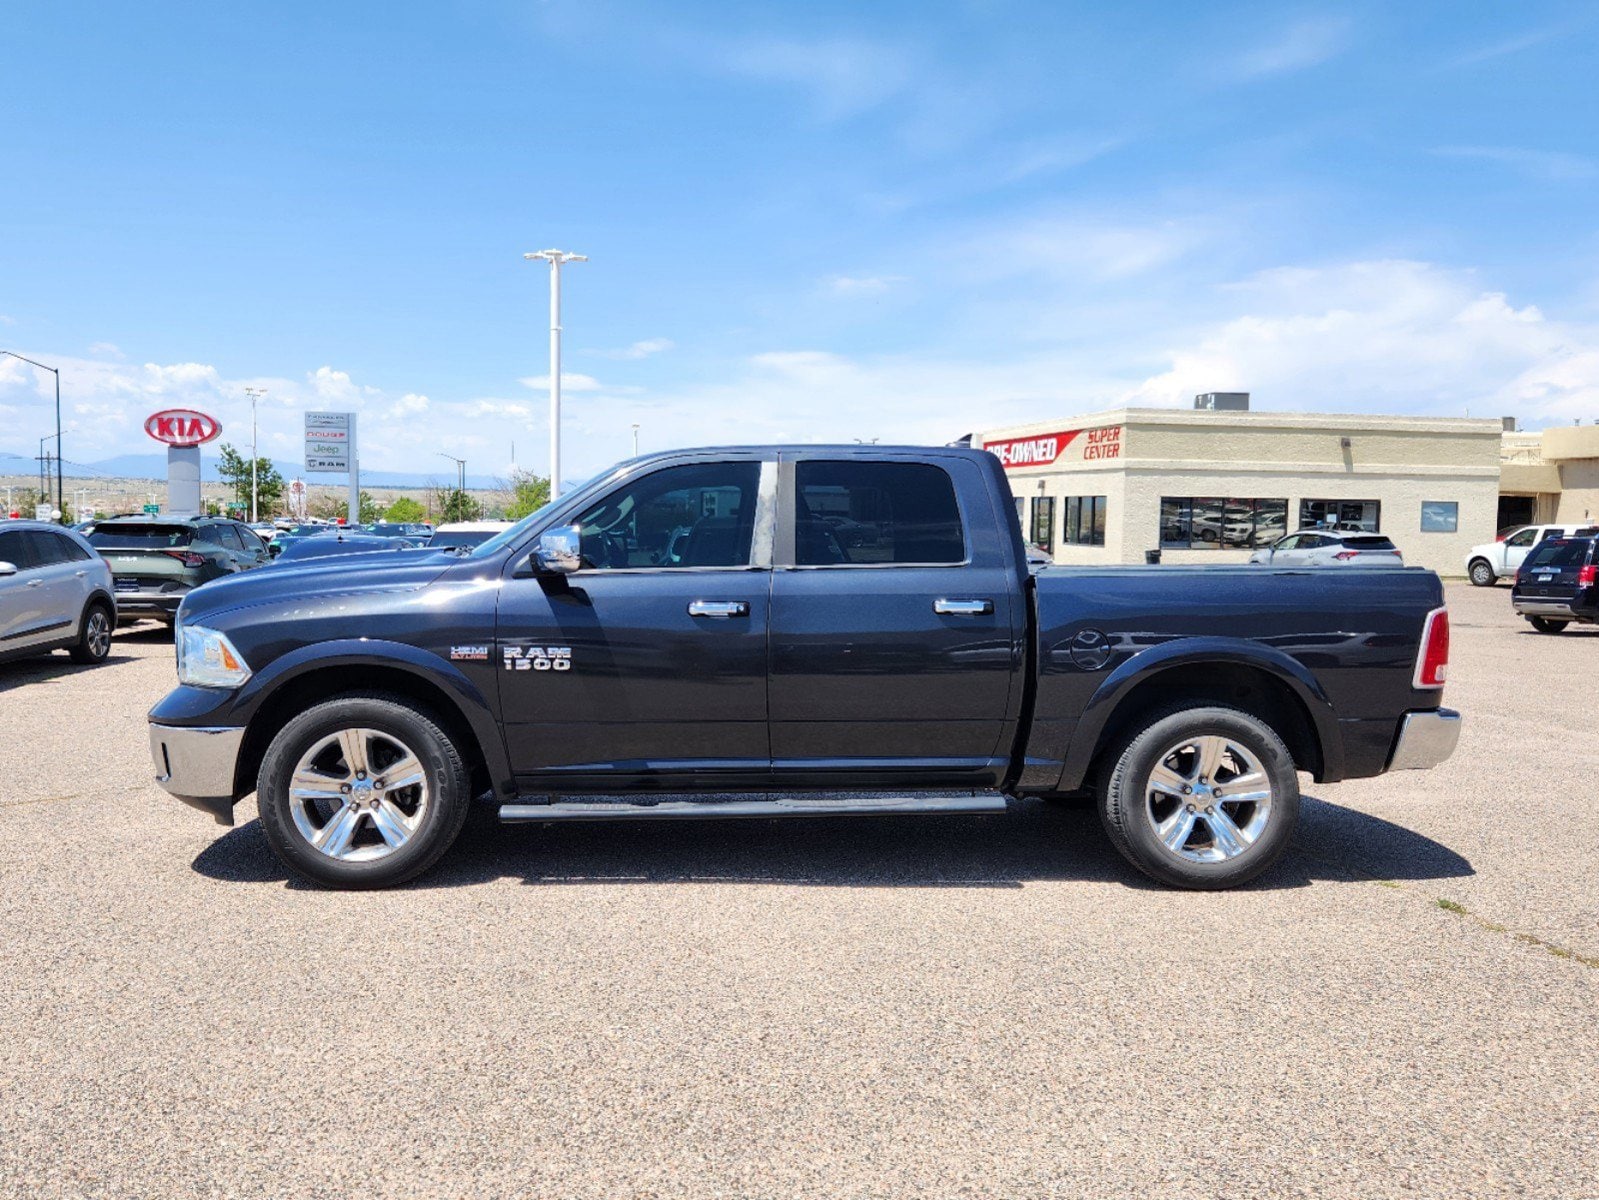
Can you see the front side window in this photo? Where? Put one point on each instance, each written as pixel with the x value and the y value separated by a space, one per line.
pixel 876 513
pixel 1440 516
pixel 699 515
pixel 1524 538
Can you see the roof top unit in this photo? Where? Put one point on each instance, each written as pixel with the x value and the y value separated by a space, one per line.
pixel 1222 401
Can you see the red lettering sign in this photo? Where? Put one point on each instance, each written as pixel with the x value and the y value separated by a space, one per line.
pixel 182 427
pixel 1046 449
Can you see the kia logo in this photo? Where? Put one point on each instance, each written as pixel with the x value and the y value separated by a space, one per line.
pixel 182 427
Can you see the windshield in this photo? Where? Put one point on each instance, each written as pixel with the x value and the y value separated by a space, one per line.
pixel 139 536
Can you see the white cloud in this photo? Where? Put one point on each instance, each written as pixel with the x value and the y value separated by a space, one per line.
pixel 862 285
pixel 106 350
pixel 1552 165
pixel 1303 44
pixel 570 382
pixel 842 76
pixel 5 320
pixel 1387 336
pixel 641 349
pixel 408 404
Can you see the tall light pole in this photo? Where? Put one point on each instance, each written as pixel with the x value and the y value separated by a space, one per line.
pixel 59 448
pixel 635 440
pixel 556 258
pixel 255 394
pixel 460 475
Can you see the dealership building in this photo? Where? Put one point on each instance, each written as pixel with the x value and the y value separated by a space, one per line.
pixel 1208 484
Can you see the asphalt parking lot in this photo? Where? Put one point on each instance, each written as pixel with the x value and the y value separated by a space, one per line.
pixel 956 1006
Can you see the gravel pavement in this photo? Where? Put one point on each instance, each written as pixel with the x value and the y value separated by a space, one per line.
pixel 895 1007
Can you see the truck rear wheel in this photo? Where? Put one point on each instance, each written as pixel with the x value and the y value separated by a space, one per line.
pixel 362 791
pixel 1202 797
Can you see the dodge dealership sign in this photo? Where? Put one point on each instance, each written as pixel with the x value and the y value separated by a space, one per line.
pixel 1046 449
pixel 182 427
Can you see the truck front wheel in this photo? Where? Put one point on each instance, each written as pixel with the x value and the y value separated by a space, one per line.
pixel 1203 798
pixel 362 791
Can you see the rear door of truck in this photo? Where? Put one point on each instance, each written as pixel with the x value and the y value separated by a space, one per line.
pixel 897 622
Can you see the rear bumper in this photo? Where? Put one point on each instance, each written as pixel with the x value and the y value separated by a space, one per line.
pixel 131 606
pixel 1426 738
pixel 197 765
pixel 1547 608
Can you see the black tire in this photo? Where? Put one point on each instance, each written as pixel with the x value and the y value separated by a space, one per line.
pixel 412 727
pixel 1481 573
pixel 1545 625
pixel 1125 797
pixel 94 634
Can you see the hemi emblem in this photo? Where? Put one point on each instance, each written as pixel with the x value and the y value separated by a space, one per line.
pixel 469 654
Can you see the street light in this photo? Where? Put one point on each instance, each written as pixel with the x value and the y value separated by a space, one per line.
pixel 255 394
pixel 555 258
pixel 635 440
pixel 22 358
pixel 460 468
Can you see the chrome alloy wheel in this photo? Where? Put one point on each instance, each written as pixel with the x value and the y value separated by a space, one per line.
pixel 358 795
pixel 1208 799
pixel 98 635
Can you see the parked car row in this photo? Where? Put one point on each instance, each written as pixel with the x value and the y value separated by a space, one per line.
pixel 1502 558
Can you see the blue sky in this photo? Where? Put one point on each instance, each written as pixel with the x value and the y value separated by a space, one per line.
pixel 806 222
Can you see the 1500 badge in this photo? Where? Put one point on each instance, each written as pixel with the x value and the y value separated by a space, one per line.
pixel 537 658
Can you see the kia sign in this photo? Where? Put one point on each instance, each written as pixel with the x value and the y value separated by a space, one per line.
pixel 329 442
pixel 1047 449
pixel 182 427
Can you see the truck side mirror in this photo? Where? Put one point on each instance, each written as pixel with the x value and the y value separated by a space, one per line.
pixel 559 552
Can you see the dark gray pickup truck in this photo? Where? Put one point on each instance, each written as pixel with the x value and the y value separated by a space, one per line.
pixel 834 630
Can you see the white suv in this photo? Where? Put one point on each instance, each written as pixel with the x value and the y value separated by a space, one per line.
pixel 55 593
pixel 1487 562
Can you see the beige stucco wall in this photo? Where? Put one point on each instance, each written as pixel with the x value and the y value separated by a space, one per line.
pixel 1398 461
pixel 1579 490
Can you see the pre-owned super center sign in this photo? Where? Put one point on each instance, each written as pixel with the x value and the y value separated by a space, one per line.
pixel 329 442
pixel 1068 445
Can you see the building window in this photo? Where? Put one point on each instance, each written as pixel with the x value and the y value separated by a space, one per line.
pixel 1085 521
pixel 1440 516
pixel 1044 522
pixel 1355 516
pixel 1217 523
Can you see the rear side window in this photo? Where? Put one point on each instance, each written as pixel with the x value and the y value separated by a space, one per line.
pixel 71 551
pixel 1559 554
pixel 227 536
pixel 47 548
pixel 140 536
pixel 875 512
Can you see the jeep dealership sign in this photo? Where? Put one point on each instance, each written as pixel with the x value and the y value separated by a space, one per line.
pixel 182 427
pixel 1049 449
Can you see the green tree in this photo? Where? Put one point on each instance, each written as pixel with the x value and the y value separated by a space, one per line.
pixel 405 511
pixel 529 492
pixel 234 470
pixel 371 510
pixel 452 504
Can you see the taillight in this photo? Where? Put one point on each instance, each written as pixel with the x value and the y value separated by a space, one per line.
pixel 1588 576
pixel 1432 664
pixel 187 557
pixel 1346 555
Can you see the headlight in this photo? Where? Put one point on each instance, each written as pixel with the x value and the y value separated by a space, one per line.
pixel 207 659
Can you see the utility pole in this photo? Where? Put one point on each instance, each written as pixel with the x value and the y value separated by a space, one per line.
pixel 255 394
pixel 556 258
pixel 635 440
pixel 59 449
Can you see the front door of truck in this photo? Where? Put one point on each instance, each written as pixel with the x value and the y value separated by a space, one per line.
pixel 647 666
pixel 896 630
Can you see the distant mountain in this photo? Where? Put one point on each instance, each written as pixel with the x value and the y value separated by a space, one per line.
pixel 154 466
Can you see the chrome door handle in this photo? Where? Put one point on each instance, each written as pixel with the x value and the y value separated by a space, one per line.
pixel 80 574
pixel 35 583
pixel 963 608
pixel 718 608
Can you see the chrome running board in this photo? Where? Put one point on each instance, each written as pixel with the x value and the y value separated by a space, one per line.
pixel 782 806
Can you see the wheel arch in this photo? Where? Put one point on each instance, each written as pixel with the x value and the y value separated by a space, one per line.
pixel 460 708
pixel 1263 682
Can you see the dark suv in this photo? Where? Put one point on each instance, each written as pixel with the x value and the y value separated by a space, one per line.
pixel 156 561
pixel 1557 584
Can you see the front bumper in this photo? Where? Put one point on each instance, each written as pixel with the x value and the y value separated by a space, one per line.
pixel 197 765
pixel 1426 738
